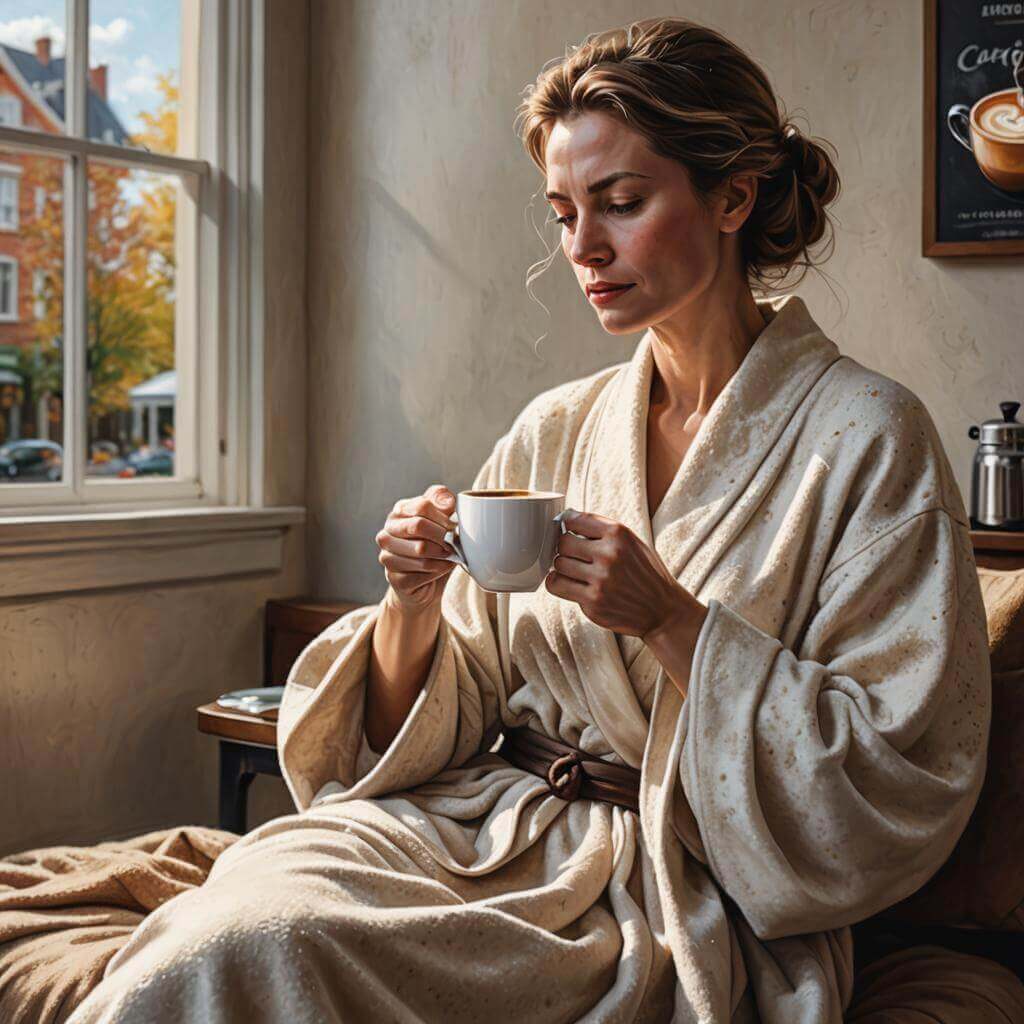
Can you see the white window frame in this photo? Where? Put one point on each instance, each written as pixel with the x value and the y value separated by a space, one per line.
pixel 12 316
pixel 218 351
pixel 13 176
pixel 10 109
pixel 38 298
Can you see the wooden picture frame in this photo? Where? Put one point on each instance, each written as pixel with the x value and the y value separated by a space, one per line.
pixel 970 55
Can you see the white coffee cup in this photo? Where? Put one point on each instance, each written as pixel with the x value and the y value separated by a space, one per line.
pixel 507 539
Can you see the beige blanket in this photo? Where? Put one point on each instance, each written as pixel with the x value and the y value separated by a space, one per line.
pixel 826 759
pixel 66 910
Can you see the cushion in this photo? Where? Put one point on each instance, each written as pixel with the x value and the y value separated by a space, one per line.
pixel 981 885
pixel 1003 593
pixel 930 983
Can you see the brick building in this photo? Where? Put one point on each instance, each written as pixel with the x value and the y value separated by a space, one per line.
pixel 32 96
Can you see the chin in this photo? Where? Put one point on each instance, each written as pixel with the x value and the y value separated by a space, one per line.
pixel 629 328
pixel 618 324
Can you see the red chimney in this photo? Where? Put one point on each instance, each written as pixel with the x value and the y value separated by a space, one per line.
pixel 43 50
pixel 98 78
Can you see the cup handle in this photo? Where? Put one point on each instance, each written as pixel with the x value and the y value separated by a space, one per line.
pixel 959 121
pixel 560 518
pixel 452 537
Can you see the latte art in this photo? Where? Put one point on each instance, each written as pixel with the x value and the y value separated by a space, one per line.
pixel 1004 119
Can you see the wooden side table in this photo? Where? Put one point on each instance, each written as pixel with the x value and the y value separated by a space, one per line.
pixel 248 747
pixel 248 742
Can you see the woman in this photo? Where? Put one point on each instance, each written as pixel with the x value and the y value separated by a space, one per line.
pixel 766 614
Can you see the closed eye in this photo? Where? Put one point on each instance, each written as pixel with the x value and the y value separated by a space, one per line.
pixel 619 209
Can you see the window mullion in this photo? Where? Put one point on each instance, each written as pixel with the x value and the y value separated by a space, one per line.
pixel 76 68
pixel 74 339
pixel 75 247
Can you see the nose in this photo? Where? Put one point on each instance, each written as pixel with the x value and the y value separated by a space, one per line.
pixel 587 247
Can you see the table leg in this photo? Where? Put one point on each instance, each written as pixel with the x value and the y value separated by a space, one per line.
pixel 239 765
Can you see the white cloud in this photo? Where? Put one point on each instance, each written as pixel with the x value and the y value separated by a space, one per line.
pixel 22 33
pixel 141 81
pixel 111 34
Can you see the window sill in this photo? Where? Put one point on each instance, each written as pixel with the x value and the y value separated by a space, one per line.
pixel 47 554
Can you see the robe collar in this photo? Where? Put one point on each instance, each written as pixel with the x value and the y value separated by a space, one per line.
pixel 743 424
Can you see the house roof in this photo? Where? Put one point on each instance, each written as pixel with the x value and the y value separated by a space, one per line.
pixel 47 81
pixel 160 389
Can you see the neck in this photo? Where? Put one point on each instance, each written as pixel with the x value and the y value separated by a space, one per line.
pixel 700 347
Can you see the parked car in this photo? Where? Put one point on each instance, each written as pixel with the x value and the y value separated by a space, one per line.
pixel 30 459
pixel 104 459
pixel 149 462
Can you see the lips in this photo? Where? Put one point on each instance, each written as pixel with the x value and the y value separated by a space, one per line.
pixel 602 296
pixel 596 289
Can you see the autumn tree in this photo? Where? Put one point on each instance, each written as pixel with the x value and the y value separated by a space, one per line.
pixel 130 271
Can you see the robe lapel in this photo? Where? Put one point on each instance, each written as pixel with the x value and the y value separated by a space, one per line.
pixel 717 486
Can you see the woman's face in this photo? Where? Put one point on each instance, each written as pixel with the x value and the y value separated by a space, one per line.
pixel 646 230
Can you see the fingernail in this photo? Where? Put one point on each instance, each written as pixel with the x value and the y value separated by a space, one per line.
pixel 446 499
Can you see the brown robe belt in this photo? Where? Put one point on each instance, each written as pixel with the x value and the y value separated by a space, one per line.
pixel 569 772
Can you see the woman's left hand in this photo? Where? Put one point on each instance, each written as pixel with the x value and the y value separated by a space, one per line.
pixel 616 579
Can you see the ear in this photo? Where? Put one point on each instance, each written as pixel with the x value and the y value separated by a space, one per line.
pixel 739 195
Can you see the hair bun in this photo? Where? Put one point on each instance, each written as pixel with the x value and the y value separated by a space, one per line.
pixel 795 145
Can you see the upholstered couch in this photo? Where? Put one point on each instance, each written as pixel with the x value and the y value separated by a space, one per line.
pixel 975 903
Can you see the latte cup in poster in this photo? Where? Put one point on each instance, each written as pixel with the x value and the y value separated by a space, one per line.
pixel 980 114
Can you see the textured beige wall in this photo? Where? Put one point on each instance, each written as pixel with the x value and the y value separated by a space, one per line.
pixel 98 690
pixel 421 332
pixel 97 707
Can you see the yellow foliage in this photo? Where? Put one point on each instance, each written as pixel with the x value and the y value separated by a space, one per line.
pixel 130 266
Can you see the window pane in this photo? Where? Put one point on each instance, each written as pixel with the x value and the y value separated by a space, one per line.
pixel 131 378
pixel 140 95
pixel 32 322
pixel 32 36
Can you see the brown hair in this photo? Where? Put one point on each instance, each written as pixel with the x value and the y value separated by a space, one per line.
pixel 697 98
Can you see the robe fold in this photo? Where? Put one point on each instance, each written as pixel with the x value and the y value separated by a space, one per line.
pixel 822 766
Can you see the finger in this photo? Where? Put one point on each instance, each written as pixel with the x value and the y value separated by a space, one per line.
pixel 398 534
pixel 574 568
pixel 430 506
pixel 577 547
pixel 588 524
pixel 418 548
pixel 393 561
pixel 564 586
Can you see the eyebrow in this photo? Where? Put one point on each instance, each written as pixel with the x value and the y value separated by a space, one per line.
pixel 599 186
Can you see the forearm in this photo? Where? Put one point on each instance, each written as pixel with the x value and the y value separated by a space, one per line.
pixel 674 640
pixel 403 649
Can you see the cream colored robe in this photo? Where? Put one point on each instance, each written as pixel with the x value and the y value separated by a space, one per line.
pixel 827 756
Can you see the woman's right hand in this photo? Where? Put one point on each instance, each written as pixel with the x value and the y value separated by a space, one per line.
pixel 412 547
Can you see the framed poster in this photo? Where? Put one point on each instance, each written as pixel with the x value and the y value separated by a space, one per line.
pixel 973 128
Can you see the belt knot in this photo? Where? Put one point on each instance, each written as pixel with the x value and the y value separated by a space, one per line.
pixel 565 776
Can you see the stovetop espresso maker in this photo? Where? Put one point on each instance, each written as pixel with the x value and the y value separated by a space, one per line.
pixel 997 477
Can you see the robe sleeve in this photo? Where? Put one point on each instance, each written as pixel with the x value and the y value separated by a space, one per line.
pixel 831 783
pixel 321 739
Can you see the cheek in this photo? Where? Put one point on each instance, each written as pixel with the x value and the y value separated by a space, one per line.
pixel 671 247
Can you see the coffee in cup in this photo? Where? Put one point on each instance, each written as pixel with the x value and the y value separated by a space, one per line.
pixel 507 539
pixel 993 132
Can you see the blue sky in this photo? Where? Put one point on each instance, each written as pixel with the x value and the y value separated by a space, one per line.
pixel 136 40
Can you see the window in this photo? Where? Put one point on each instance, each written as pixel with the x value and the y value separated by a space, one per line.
pixel 138 273
pixel 8 202
pixel 10 109
pixel 38 293
pixel 8 288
